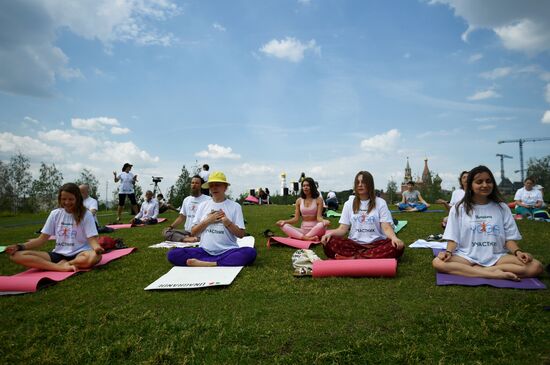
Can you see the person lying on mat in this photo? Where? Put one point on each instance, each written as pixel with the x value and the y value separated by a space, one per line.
pixel 75 232
pixel 187 214
pixel 310 207
pixel 528 199
pixel 482 234
pixel 412 201
pixel 219 222
pixel 457 195
pixel 369 222
pixel 149 211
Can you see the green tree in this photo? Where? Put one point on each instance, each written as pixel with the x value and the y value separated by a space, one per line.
pixel 391 191
pixel 539 169
pixel 88 178
pixel 181 188
pixel 6 191
pixel 44 190
pixel 19 180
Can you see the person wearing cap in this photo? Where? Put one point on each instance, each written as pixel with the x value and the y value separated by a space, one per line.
pixel 218 222
pixel 126 189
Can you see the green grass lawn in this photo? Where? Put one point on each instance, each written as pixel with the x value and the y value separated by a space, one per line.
pixel 268 316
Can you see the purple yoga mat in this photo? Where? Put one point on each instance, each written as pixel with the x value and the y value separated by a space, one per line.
pixel 448 279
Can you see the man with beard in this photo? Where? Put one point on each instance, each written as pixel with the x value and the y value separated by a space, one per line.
pixel 187 214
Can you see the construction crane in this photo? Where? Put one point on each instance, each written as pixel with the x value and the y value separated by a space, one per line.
pixel 521 141
pixel 502 157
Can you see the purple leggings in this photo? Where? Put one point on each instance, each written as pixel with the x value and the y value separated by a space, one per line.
pixel 241 256
pixel 308 229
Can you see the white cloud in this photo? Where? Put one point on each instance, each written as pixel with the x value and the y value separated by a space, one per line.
pixel 289 49
pixel 119 130
pixel 247 169
pixel 216 151
pixel 546 117
pixel 521 25
pixel 484 94
pixel 122 152
pixel 475 57
pixel 492 119
pixel 496 73
pixel 75 141
pixel 219 27
pixel 11 143
pixel 31 61
pixel 385 142
pixel 32 120
pixel 94 124
pixel 547 93
pixel 486 127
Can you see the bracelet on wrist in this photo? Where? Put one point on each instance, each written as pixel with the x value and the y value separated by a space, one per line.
pixel 516 251
pixel 449 252
pixel 20 247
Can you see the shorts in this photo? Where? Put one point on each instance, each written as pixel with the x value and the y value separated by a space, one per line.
pixel 56 257
pixel 122 199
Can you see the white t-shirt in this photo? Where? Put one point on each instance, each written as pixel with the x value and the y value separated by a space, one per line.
pixel 126 183
pixel 529 197
pixel 70 238
pixel 148 210
pixel 204 174
pixel 366 227
pixel 331 194
pixel 481 236
pixel 216 238
pixel 457 196
pixel 90 203
pixel 189 209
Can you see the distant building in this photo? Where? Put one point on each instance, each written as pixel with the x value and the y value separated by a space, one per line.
pixel 424 180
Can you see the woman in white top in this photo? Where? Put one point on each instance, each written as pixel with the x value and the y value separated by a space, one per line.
pixel 482 234
pixel 528 199
pixel 127 182
pixel 369 222
pixel 457 195
pixel 75 235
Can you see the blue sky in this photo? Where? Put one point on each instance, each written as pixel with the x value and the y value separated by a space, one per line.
pixel 257 88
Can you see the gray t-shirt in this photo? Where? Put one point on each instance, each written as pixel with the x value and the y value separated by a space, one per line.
pixel 411 197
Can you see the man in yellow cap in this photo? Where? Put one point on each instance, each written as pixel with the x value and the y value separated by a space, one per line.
pixel 218 222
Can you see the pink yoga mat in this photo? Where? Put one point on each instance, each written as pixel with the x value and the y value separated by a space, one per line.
pixel 31 280
pixel 252 199
pixel 292 242
pixel 124 226
pixel 357 268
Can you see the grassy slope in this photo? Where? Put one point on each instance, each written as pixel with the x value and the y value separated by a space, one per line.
pixel 268 316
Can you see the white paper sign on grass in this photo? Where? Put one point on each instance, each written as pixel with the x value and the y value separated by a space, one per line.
pixel 183 277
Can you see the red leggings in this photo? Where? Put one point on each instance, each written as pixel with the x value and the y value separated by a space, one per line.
pixel 346 249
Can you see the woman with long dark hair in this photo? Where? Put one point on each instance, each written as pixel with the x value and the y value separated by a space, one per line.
pixel 369 222
pixel 75 232
pixel 309 206
pixel 481 235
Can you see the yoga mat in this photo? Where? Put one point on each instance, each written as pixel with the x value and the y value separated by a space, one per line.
pixel 356 268
pixel 400 225
pixel 2 248
pixel 183 277
pixel 252 199
pixel 448 279
pixel 247 241
pixel 33 279
pixel 428 244
pixel 128 225
pixel 292 242
pixel 332 213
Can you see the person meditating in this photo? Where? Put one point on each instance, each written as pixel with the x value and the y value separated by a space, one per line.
pixel 369 222
pixel 412 201
pixel 481 235
pixel 218 222
pixel 456 196
pixel 528 199
pixel 149 211
pixel 310 207
pixel 75 232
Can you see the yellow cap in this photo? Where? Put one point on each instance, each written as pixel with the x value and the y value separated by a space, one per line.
pixel 215 176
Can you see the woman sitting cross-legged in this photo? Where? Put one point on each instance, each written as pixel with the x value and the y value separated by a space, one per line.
pixel 75 232
pixel 482 233
pixel 310 207
pixel 369 222
pixel 219 222
pixel 528 199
